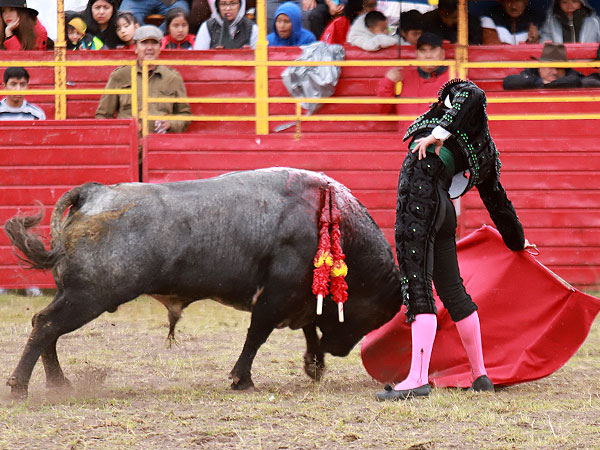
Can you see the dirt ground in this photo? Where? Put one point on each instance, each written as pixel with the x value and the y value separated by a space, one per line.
pixel 131 392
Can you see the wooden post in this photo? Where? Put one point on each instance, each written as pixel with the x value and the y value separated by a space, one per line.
pixel 261 73
pixel 462 43
pixel 60 72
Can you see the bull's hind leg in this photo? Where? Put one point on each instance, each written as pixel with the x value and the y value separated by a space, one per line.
pixel 55 377
pixel 314 359
pixel 66 313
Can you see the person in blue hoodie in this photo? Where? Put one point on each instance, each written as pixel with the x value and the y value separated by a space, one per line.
pixel 287 27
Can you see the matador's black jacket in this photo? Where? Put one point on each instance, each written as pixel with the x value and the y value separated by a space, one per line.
pixel 461 110
pixel 425 229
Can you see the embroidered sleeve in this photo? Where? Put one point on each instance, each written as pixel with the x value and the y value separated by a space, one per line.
pixel 502 213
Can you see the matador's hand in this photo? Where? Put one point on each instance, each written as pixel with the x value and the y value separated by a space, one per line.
pixel 423 143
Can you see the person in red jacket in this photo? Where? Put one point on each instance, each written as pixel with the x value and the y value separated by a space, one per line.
pixel 19 27
pixel 421 81
pixel 337 30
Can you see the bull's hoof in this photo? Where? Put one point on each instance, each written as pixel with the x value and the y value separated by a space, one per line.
pixel 314 367
pixel 241 384
pixel 18 391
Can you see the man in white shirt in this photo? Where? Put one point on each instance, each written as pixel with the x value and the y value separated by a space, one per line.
pixel 15 107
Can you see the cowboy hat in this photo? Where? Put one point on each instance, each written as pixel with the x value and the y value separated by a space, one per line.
pixel 22 4
pixel 553 52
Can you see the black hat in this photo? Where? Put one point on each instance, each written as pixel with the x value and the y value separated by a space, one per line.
pixel 18 4
pixel 429 38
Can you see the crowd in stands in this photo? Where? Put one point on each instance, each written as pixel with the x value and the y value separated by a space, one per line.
pixel 109 24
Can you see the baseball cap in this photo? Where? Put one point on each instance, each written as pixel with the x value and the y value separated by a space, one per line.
pixel 148 32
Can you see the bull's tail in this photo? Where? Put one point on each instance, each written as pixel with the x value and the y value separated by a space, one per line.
pixel 33 252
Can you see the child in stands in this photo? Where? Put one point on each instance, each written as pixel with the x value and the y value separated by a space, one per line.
pixel 77 36
pixel 15 107
pixel 370 32
pixel 19 27
pixel 127 23
pixel 337 30
pixel 287 27
pixel 100 17
pixel 411 27
pixel 178 31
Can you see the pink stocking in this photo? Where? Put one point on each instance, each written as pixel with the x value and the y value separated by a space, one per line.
pixel 470 335
pixel 423 333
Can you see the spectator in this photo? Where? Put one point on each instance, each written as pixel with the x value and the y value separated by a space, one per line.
pixel 510 22
pixel 101 19
pixel 321 13
pixel 19 27
pixel 546 77
pixel 178 31
pixel 337 30
pixel 443 21
pixel 76 33
pixel 306 6
pixel 411 27
pixel 162 82
pixel 47 13
pixel 228 27
pixel 571 21
pixel 15 107
pixel 592 80
pixel 143 8
pixel 127 23
pixel 370 32
pixel 287 29
pixel 420 81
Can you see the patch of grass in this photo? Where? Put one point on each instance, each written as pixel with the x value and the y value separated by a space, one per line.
pixel 131 391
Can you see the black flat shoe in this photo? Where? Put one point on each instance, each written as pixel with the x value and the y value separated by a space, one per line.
pixel 390 394
pixel 482 384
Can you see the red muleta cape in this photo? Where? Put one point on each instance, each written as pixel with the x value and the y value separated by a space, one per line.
pixel 532 322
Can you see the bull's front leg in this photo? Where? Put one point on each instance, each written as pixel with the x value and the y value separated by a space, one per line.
pixel 314 359
pixel 261 326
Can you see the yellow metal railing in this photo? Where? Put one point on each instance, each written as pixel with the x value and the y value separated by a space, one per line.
pixel 263 119
pixel 64 91
pixel 262 100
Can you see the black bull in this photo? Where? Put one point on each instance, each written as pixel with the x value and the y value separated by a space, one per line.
pixel 245 239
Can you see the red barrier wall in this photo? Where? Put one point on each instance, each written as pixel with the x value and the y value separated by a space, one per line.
pixel 549 171
pixel 549 167
pixel 40 160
